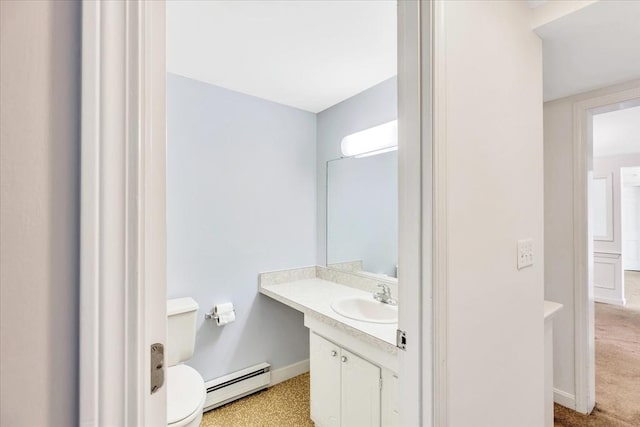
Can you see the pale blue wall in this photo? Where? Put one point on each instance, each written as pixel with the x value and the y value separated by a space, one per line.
pixel 241 199
pixel 372 107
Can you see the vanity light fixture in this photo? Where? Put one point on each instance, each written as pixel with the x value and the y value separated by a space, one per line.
pixel 369 142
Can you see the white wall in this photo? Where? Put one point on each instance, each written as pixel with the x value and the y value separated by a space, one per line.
pixel 631 227
pixel 495 197
pixel 39 212
pixel 604 166
pixel 608 281
pixel 241 199
pixel 558 221
pixel 374 106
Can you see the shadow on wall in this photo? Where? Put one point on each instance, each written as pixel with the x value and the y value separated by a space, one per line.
pixel 64 220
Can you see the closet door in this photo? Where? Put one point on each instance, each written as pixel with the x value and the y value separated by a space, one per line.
pixel 325 382
pixel 360 392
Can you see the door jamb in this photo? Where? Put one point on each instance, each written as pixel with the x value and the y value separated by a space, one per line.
pixel 122 230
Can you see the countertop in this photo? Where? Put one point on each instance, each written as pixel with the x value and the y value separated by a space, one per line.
pixel 313 297
pixel 550 309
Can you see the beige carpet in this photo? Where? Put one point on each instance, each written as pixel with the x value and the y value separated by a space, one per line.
pixel 285 404
pixel 632 290
pixel 617 366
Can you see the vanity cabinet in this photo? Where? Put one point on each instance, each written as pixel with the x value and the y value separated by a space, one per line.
pixel 325 368
pixel 346 390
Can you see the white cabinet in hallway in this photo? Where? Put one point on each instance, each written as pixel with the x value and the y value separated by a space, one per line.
pixel 345 388
pixel 550 310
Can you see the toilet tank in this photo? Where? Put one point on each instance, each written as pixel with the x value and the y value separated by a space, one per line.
pixel 181 329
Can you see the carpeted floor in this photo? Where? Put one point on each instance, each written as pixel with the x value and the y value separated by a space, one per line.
pixel 617 365
pixel 285 404
pixel 632 290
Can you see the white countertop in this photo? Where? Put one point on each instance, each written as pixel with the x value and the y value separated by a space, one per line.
pixel 314 297
pixel 550 309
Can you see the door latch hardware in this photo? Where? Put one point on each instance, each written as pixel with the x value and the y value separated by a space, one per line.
pixel 157 366
pixel 401 339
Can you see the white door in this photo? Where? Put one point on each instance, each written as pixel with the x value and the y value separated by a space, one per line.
pixel 325 381
pixel 360 392
pixel 631 228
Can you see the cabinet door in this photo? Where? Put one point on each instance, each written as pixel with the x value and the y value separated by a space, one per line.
pixel 325 382
pixel 360 392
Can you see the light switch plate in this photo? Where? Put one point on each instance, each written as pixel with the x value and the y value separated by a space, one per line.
pixel 525 253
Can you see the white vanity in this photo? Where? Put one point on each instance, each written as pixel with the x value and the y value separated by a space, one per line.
pixel 353 363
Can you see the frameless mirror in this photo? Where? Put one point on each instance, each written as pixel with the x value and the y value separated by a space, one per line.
pixel 362 214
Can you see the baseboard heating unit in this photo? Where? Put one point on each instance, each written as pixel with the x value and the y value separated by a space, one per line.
pixel 236 385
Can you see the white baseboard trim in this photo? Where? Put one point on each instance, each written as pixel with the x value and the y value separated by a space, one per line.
pixel 614 301
pixel 564 399
pixel 288 372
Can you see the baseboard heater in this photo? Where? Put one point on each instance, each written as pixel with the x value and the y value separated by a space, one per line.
pixel 237 385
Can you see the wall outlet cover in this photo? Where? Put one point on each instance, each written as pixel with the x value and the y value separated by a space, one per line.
pixel 525 253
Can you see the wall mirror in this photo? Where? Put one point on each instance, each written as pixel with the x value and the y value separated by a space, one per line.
pixel 362 214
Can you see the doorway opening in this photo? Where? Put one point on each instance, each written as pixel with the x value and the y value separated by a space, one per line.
pixel 260 96
pixel 614 156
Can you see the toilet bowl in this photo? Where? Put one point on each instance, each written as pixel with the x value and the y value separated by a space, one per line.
pixel 186 392
pixel 185 396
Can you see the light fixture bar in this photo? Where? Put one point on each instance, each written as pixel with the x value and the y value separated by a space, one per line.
pixel 375 140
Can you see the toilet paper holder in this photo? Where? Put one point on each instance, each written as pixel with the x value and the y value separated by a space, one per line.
pixel 211 315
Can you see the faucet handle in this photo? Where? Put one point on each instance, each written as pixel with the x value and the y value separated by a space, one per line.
pixel 385 289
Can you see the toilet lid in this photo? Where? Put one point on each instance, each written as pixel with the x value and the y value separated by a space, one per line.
pixel 185 392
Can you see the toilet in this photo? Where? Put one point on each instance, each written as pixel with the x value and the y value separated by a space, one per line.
pixel 185 387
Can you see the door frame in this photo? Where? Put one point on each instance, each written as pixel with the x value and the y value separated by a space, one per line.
pixel 416 213
pixel 122 212
pixel 584 318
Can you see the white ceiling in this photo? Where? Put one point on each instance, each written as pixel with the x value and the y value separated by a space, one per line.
pixel 617 132
pixel 306 54
pixel 596 46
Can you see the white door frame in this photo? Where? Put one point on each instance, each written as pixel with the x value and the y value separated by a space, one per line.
pixel 123 225
pixel 415 170
pixel 583 249
pixel 123 240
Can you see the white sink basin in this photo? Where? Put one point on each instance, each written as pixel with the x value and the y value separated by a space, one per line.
pixel 366 310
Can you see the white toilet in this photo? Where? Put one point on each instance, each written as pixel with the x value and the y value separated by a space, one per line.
pixel 185 386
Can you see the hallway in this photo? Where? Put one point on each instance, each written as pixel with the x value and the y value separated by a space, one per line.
pixel 617 364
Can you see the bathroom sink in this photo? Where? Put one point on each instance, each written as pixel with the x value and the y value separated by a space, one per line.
pixel 366 310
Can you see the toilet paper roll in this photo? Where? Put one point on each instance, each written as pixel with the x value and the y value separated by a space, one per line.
pixel 225 308
pixel 224 313
pixel 226 318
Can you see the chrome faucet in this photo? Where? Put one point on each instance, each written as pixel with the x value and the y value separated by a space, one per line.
pixel 384 296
